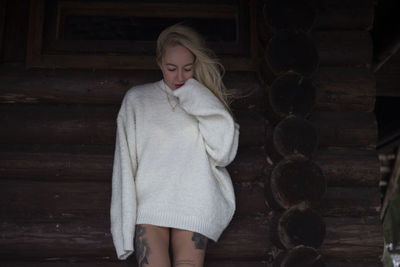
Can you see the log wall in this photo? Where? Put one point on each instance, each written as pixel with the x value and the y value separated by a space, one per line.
pixel 338 118
pixel 57 142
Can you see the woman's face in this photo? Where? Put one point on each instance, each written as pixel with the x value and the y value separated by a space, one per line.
pixel 177 66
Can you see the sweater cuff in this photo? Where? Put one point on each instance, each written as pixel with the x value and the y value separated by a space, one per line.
pixel 194 96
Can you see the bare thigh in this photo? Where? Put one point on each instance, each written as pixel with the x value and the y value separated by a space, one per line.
pixel 152 246
pixel 188 248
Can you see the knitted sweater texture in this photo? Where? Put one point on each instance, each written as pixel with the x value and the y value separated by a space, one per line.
pixel 169 164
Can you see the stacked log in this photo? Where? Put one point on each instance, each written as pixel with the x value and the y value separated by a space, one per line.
pixel 317 84
pixel 296 185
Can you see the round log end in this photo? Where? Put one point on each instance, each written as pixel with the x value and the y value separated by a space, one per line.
pixel 299 256
pixel 295 135
pixel 301 225
pixel 292 51
pixel 292 94
pixel 295 180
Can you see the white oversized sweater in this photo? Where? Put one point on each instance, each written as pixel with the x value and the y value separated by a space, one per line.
pixel 169 165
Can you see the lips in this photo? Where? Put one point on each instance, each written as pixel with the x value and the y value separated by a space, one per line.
pixel 178 85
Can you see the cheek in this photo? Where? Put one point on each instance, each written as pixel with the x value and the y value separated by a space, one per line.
pixel 189 75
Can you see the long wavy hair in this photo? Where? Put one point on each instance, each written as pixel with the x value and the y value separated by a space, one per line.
pixel 207 68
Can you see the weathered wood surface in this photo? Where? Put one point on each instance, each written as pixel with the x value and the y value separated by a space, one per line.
pixel 299 256
pixel 345 129
pixel 65 199
pixel 337 88
pixel 349 167
pixel 344 89
pixel 18 85
pixel 333 129
pixel 36 199
pixel 361 263
pixel 292 51
pixel 88 237
pixel 341 167
pixel 343 48
pixel 289 15
pixel 353 238
pixel 345 15
pixel 300 225
pixel 246 238
pixel 131 263
pixel 75 124
pixel 291 94
pixel 295 135
pixel 127 263
pixel 94 163
pixel 295 180
pixel 36 124
pixel 351 201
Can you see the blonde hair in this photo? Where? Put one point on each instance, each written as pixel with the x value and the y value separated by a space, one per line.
pixel 207 69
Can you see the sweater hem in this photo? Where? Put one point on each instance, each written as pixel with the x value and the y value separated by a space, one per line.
pixel 179 221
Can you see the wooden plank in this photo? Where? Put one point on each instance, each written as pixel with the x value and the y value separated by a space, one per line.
pixel 73 124
pixel 341 167
pixel 65 199
pixel 344 89
pixel 94 163
pixel 88 237
pixel 345 15
pixel 333 129
pixel 343 48
pixel 352 238
pixel 361 263
pixel 345 129
pixel 129 262
pixel 104 87
pixel 351 201
pixel 338 88
pixel 349 167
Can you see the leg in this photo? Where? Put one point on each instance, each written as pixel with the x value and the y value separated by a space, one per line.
pixel 188 248
pixel 151 246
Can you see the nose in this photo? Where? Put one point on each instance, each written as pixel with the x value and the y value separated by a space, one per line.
pixel 181 76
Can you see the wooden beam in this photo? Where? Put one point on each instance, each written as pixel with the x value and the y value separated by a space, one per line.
pixel 344 48
pixel 393 184
pixel 18 85
pixel 68 198
pixel 344 167
pixel 345 15
pixel 88 237
pixel 3 6
pixel 89 125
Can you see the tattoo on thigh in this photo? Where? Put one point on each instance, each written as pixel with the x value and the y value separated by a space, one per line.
pixel 185 262
pixel 199 240
pixel 141 246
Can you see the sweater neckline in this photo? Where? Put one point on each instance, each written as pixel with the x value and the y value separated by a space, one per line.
pixel 164 86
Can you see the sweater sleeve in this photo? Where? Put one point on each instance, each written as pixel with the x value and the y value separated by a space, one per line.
pixel 217 127
pixel 123 196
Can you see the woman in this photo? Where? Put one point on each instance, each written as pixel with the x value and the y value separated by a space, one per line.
pixel 174 139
